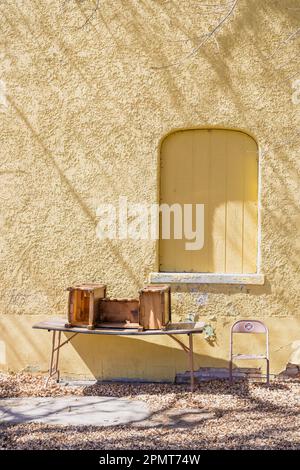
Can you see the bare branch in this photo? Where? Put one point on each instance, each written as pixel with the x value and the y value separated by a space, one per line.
pixel 91 15
pixel 208 36
pixel 282 43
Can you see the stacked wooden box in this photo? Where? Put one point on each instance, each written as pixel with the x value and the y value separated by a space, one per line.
pixel 89 307
pixel 83 304
pixel 155 307
pixel 118 313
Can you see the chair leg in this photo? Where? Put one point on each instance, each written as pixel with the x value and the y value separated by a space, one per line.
pixel 230 371
pixel 268 372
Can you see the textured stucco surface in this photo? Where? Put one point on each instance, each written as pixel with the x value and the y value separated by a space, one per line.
pixel 84 106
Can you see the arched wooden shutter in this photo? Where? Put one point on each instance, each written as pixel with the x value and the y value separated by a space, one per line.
pixel 218 168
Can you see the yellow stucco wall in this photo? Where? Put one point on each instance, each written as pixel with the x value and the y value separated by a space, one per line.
pixel 86 98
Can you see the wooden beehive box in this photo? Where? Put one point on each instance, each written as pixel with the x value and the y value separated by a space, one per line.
pixel 155 307
pixel 118 313
pixel 83 304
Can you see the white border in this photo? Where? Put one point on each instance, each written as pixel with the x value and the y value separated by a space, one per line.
pixel 206 278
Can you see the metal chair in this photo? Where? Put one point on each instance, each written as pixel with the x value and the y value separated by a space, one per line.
pixel 249 326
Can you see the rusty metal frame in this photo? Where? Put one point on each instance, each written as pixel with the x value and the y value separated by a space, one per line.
pixel 232 356
pixel 57 345
pixel 54 357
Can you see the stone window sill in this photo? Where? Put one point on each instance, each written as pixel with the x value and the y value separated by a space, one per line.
pixel 206 278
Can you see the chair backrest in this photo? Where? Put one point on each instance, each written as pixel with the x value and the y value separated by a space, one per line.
pixel 249 326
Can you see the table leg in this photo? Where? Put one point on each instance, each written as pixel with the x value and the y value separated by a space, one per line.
pixel 51 358
pixel 57 357
pixel 191 360
pixel 54 358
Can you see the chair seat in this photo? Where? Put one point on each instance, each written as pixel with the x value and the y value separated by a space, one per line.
pixel 249 356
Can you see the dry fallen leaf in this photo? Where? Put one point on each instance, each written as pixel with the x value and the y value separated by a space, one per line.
pixel 246 415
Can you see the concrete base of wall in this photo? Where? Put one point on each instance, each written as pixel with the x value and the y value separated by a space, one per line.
pixel 292 370
pixel 214 373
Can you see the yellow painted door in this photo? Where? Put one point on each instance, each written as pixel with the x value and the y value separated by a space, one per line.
pixel 217 168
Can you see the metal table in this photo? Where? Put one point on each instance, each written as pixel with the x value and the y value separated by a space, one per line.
pixel 57 326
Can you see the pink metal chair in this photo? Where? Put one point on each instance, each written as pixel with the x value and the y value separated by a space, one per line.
pixel 249 326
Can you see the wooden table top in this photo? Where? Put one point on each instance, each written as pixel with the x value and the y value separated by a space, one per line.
pixel 58 324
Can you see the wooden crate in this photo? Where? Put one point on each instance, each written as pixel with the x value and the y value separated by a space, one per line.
pixel 83 305
pixel 155 307
pixel 118 313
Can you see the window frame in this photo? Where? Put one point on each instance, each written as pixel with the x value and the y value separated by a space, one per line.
pixel 257 278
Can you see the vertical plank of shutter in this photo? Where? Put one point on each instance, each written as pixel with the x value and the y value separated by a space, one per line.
pixel 176 176
pixel 184 193
pixel 234 211
pixel 217 220
pixel 200 194
pixel 250 205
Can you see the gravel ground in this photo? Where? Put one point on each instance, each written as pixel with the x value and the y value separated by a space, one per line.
pixel 244 416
